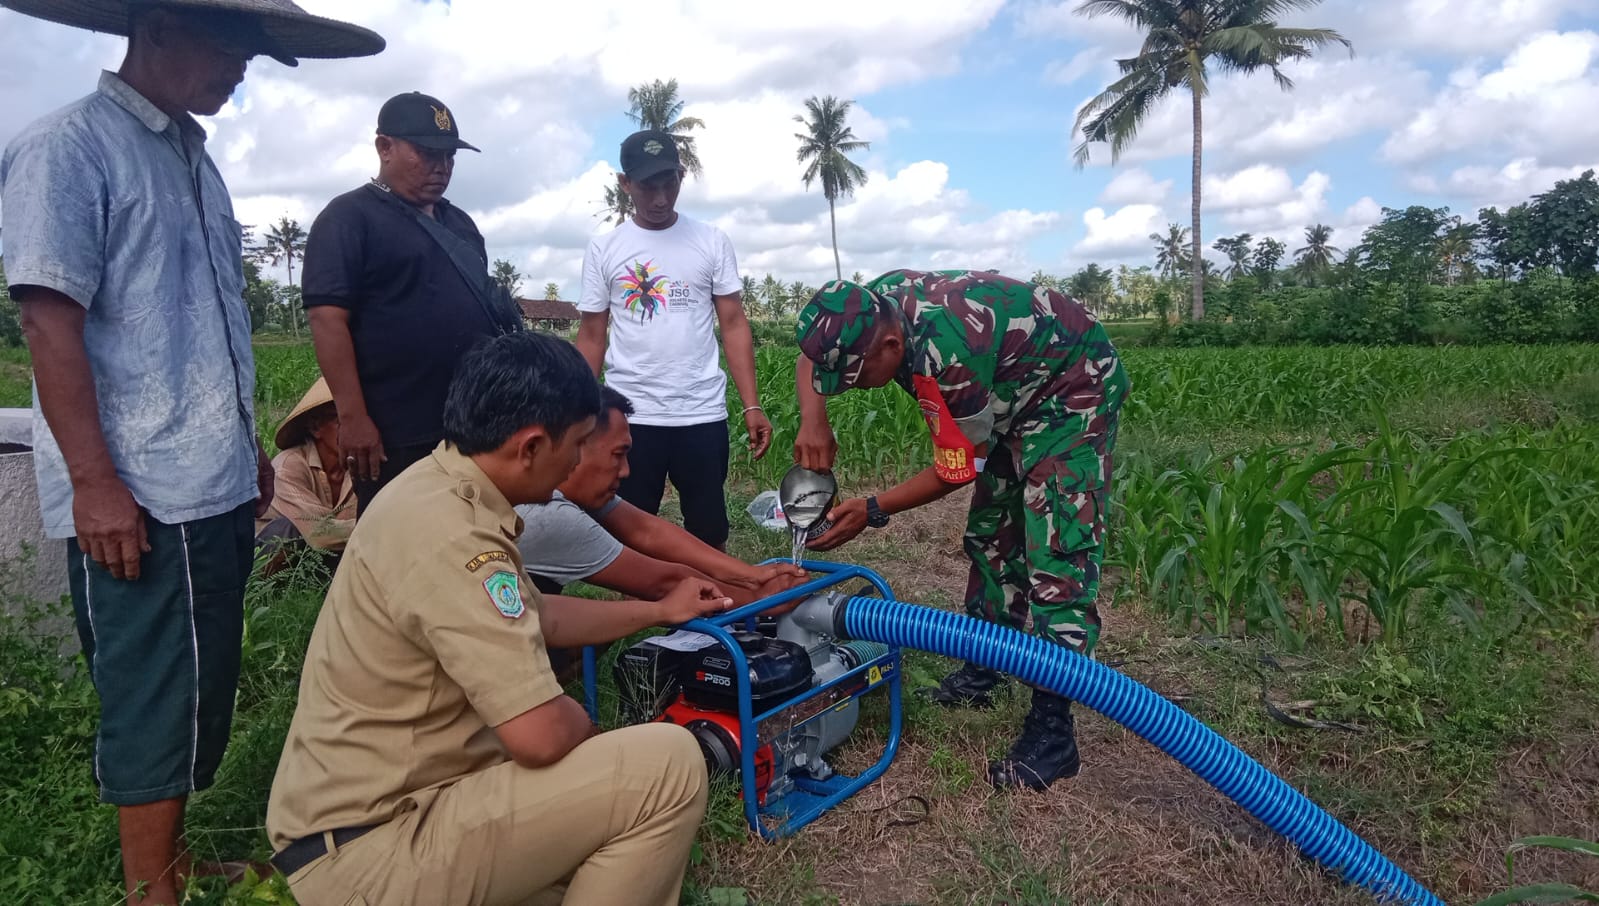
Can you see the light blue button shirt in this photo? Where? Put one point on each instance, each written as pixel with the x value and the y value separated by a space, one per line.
pixel 116 205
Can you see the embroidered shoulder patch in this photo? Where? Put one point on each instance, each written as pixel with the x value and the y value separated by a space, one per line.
pixel 485 558
pixel 506 594
pixel 953 454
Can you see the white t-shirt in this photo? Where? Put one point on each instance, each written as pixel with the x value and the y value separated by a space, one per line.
pixel 658 285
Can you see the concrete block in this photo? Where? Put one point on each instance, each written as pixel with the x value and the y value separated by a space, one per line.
pixel 32 568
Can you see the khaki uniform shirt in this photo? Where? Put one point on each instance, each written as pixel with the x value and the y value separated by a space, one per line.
pixel 303 493
pixel 428 639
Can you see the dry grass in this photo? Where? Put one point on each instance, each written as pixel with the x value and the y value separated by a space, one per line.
pixel 1134 827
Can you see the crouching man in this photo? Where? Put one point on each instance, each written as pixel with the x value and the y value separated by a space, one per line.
pixel 587 533
pixel 433 758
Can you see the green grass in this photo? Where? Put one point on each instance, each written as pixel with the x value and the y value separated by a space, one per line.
pixel 16 378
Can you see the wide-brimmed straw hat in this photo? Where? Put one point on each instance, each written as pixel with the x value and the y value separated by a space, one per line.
pixel 289 31
pixel 295 428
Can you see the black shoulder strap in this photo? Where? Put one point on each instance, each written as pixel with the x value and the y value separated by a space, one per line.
pixel 493 297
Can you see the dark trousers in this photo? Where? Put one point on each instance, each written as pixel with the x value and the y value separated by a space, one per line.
pixel 694 457
pixel 163 653
pixel 399 459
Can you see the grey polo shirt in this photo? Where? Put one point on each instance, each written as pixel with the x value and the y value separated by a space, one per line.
pixel 565 543
pixel 117 206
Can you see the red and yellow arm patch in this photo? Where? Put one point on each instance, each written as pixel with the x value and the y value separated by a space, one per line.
pixel 954 457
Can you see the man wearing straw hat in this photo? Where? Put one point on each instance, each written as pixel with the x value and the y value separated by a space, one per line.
pixel 124 255
pixel 313 501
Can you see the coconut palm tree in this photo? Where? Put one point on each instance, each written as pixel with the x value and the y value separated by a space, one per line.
pixel 1183 40
pixel 1457 253
pixel 655 105
pixel 1316 258
pixel 798 295
pixel 772 291
pixel 552 291
pixel 285 242
pixel 824 148
pixel 618 205
pixel 1171 251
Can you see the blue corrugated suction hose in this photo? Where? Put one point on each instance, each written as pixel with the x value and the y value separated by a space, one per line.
pixel 1218 762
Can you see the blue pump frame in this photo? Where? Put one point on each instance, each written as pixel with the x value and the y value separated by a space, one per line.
pixel 810 799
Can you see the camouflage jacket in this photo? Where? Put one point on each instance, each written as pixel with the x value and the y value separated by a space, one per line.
pixel 993 344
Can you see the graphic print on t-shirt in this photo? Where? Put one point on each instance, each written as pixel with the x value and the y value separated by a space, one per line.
pixel 643 289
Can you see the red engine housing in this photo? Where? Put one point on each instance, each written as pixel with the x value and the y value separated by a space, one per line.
pixel 718 736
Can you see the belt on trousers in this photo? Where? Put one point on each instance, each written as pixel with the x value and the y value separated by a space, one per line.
pixel 306 850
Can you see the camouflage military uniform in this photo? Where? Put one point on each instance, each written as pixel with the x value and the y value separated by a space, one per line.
pixel 1032 374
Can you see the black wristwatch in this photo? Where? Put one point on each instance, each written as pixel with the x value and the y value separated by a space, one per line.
pixel 875 517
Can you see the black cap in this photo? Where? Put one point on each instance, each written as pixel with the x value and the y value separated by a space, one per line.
pixel 421 120
pixel 644 154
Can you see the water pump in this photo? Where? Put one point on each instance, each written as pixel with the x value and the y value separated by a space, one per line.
pixel 690 679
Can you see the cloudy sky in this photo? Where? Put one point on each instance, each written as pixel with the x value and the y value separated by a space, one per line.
pixel 968 105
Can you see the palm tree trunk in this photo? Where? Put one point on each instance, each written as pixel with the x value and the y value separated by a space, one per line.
pixel 1197 266
pixel 294 316
pixel 832 221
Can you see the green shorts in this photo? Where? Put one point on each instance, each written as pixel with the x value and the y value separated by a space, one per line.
pixel 163 653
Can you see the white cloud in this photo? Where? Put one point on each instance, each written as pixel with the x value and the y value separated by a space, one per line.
pixel 1263 200
pixel 1123 234
pixel 1249 187
pixel 1135 186
pixel 1539 102
pixel 1059 19
pixel 1083 63
pixel 297 137
pixel 1249 118
pixel 1351 225
pixel 912 215
pixel 1489 186
pixel 1260 199
pixel 1444 27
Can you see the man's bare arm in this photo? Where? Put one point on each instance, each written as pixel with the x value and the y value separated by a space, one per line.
pixel 591 337
pixel 106 518
pixel 335 355
pixel 738 344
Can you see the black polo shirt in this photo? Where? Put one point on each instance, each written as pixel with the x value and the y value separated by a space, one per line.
pixel 412 315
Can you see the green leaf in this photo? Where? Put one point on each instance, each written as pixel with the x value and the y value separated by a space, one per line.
pixel 1456 523
pixel 1540 893
pixel 1565 844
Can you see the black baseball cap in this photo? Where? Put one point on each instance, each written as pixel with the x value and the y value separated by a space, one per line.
pixel 422 120
pixel 644 154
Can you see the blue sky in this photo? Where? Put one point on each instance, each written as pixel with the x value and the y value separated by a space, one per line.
pixel 968 105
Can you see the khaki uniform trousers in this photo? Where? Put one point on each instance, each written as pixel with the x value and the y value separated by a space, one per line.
pixel 613 821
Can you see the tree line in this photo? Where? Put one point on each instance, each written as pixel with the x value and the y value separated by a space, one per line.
pixel 1419 275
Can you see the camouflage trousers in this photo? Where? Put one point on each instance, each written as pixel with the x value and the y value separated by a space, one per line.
pixel 1036 531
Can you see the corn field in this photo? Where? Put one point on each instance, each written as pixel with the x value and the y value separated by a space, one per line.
pixel 1277 490
pixel 1360 528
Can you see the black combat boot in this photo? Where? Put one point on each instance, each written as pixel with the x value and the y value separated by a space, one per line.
pixel 972 685
pixel 1045 752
